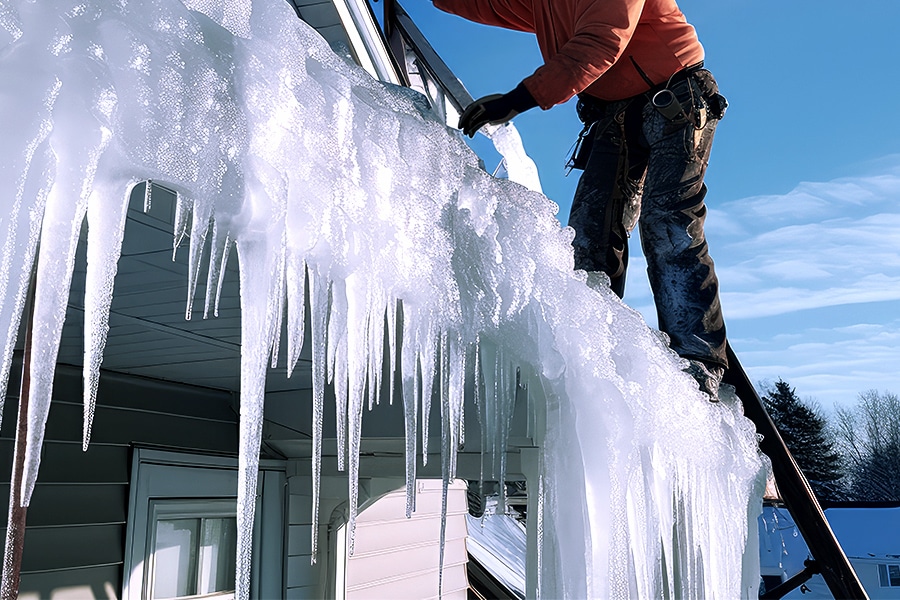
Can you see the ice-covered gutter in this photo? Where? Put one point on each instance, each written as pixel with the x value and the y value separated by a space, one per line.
pixel 332 187
pixel 498 542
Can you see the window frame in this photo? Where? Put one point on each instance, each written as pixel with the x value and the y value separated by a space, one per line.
pixel 161 477
pixel 884 575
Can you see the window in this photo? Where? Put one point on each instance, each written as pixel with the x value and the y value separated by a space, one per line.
pixel 889 575
pixel 181 534
pixel 191 549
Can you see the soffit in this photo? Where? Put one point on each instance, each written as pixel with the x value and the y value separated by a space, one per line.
pixel 149 334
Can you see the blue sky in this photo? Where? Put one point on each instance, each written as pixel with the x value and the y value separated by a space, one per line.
pixel 804 179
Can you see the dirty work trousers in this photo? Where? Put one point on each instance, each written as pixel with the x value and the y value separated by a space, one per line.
pixel 643 168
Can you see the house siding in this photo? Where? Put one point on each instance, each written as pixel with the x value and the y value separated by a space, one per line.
pixel 399 557
pixel 75 534
pixel 304 579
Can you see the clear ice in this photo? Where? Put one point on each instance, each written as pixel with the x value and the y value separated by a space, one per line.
pixel 308 170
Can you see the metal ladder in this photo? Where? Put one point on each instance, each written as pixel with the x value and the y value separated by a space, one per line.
pixel 828 556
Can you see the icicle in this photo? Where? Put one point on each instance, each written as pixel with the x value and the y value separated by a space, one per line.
pixel 479 401
pixel 180 229
pixel 410 417
pixel 356 366
pixel 445 484
pixel 427 363
pixel 258 287
pixel 499 445
pixel 20 249
pixel 393 311
pixel 226 251
pixel 376 331
pixel 106 213
pixel 50 301
pixel 277 307
pixel 461 414
pixel 148 195
pixel 510 378
pixel 318 308
pixel 200 227
pixel 296 308
pixel 489 362
pixel 338 369
pixel 409 367
pixel 500 383
pixel 26 172
pixel 371 383
pixel 248 473
pixel 539 528
pixel 77 143
pixel 216 252
pixel 446 448
pixel 456 397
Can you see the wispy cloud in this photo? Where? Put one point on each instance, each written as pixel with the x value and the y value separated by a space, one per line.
pixel 773 301
pixel 810 283
pixel 831 365
pixel 822 244
pixel 813 201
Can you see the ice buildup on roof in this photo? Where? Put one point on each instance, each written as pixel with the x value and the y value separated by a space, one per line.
pixel 312 171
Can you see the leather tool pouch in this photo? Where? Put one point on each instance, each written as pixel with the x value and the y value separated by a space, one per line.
pixel 715 102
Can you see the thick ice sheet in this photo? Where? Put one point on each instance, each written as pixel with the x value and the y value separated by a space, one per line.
pixel 311 171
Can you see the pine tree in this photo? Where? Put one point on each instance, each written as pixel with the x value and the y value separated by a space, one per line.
pixel 806 434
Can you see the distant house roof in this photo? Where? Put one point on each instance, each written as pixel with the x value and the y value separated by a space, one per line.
pixel 869 534
pixel 867 530
pixel 864 530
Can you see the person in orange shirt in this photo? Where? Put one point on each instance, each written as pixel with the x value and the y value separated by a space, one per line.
pixel 650 111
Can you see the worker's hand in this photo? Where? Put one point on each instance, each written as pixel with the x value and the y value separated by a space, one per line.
pixel 495 109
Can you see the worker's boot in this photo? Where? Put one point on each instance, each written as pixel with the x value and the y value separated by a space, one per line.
pixel 707 375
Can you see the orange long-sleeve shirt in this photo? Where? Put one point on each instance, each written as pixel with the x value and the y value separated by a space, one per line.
pixel 591 45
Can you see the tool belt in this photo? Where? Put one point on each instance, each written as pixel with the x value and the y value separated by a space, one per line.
pixel 690 95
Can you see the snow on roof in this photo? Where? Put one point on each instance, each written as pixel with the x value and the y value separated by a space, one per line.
pixel 867 532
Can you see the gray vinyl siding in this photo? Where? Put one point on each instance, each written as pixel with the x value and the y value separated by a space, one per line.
pixel 304 580
pixel 75 535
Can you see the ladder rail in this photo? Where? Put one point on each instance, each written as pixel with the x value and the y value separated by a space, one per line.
pixel 795 490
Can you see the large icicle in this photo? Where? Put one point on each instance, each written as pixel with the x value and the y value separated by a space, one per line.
pixel 25 173
pixel 22 225
pixel 259 290
pixel 106 227
pixel 318 308
pixel 77 140
pixel 356 361
pixel 410 385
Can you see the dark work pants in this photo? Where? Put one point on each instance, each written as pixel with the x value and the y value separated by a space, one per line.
pixel 641 162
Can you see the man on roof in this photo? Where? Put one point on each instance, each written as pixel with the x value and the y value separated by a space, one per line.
pixel 650 111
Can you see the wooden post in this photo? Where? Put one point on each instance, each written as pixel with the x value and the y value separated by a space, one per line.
pixel 15 525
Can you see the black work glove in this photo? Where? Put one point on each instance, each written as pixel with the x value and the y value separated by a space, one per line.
pixel 496 109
